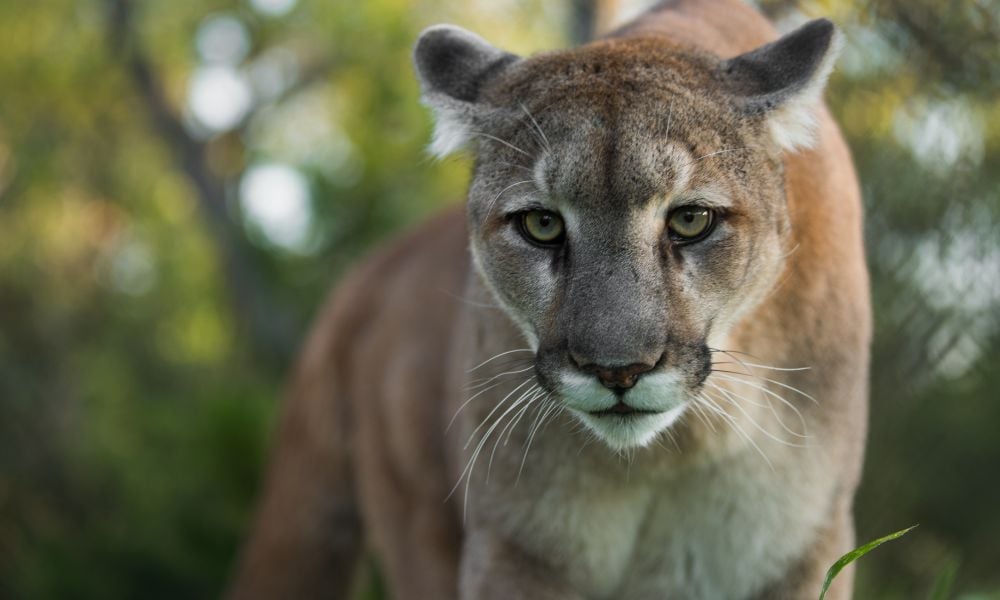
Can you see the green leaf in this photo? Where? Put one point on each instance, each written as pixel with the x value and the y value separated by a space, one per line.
pixel 855 554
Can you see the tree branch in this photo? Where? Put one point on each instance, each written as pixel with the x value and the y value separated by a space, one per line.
pixel 590 18
pixel 270 326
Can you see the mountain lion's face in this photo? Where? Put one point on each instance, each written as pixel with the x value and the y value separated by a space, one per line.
pixel 626 210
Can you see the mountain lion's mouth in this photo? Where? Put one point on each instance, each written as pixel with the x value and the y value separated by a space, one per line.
pixel 622 409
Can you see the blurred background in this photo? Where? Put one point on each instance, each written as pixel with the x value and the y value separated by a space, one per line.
pixel 181 182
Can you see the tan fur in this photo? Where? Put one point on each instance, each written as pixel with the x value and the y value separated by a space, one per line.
pixel 363 445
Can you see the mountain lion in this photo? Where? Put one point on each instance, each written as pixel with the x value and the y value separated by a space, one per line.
pixel 634 367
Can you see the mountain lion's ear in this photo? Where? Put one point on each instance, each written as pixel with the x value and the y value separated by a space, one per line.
pixel 784 80
pixel 453 65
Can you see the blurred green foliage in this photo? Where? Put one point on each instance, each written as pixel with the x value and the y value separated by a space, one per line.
pixel 143 344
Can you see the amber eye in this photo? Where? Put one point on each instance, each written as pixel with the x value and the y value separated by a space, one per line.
pixel 542 227
pixel 690 223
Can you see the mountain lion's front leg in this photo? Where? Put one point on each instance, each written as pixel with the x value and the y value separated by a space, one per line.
pixel 494 569
pixel 803 580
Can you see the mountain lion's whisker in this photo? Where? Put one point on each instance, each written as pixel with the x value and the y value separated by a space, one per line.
pixel 492 204
pixel 727 397
pixel 539 423
pixel 498 376
pixel 771 408
pixel 466 301
pixel 499 404
pixel 769 368
pixel 544 140
pixel 496 356
pixel 534 392
pixel 769 380
pixel 670 436
pixel 747 364
pixel 504 142
pixel 711 154
pixel 471 464
pixel 730 352
pixel 670 114
pixel 466 403
pixel 763 388
pixel 699 411
pixel 756 366
pixel 520 415
pixel 736 427
pixel 516 166
pixel 717 371
pixel 723 151
pixel 774 381
pixel 531 403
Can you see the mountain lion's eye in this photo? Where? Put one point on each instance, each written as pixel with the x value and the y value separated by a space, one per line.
pixel 542 227
pixel 690 223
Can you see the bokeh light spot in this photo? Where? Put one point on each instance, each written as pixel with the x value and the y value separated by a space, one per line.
pixel 222 39
pixel 276 202
pixel 273 8
pixel 219 97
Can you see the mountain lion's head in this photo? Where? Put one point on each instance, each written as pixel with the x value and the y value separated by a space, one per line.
pixel 627 207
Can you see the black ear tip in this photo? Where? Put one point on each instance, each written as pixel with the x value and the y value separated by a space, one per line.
pixel 443 49
pixel 456 62
pixel 775 72
pixel 811 39
pixel 821 30
pixel 431 44
pixel 435 34
pixel 822 25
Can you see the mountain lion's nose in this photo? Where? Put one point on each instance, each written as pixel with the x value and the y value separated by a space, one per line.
pixel 618 378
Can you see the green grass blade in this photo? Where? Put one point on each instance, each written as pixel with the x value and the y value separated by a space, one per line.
pixel 944 582
pixel 855 554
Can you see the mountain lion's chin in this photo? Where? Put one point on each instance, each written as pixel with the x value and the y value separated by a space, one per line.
pixel 627 431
